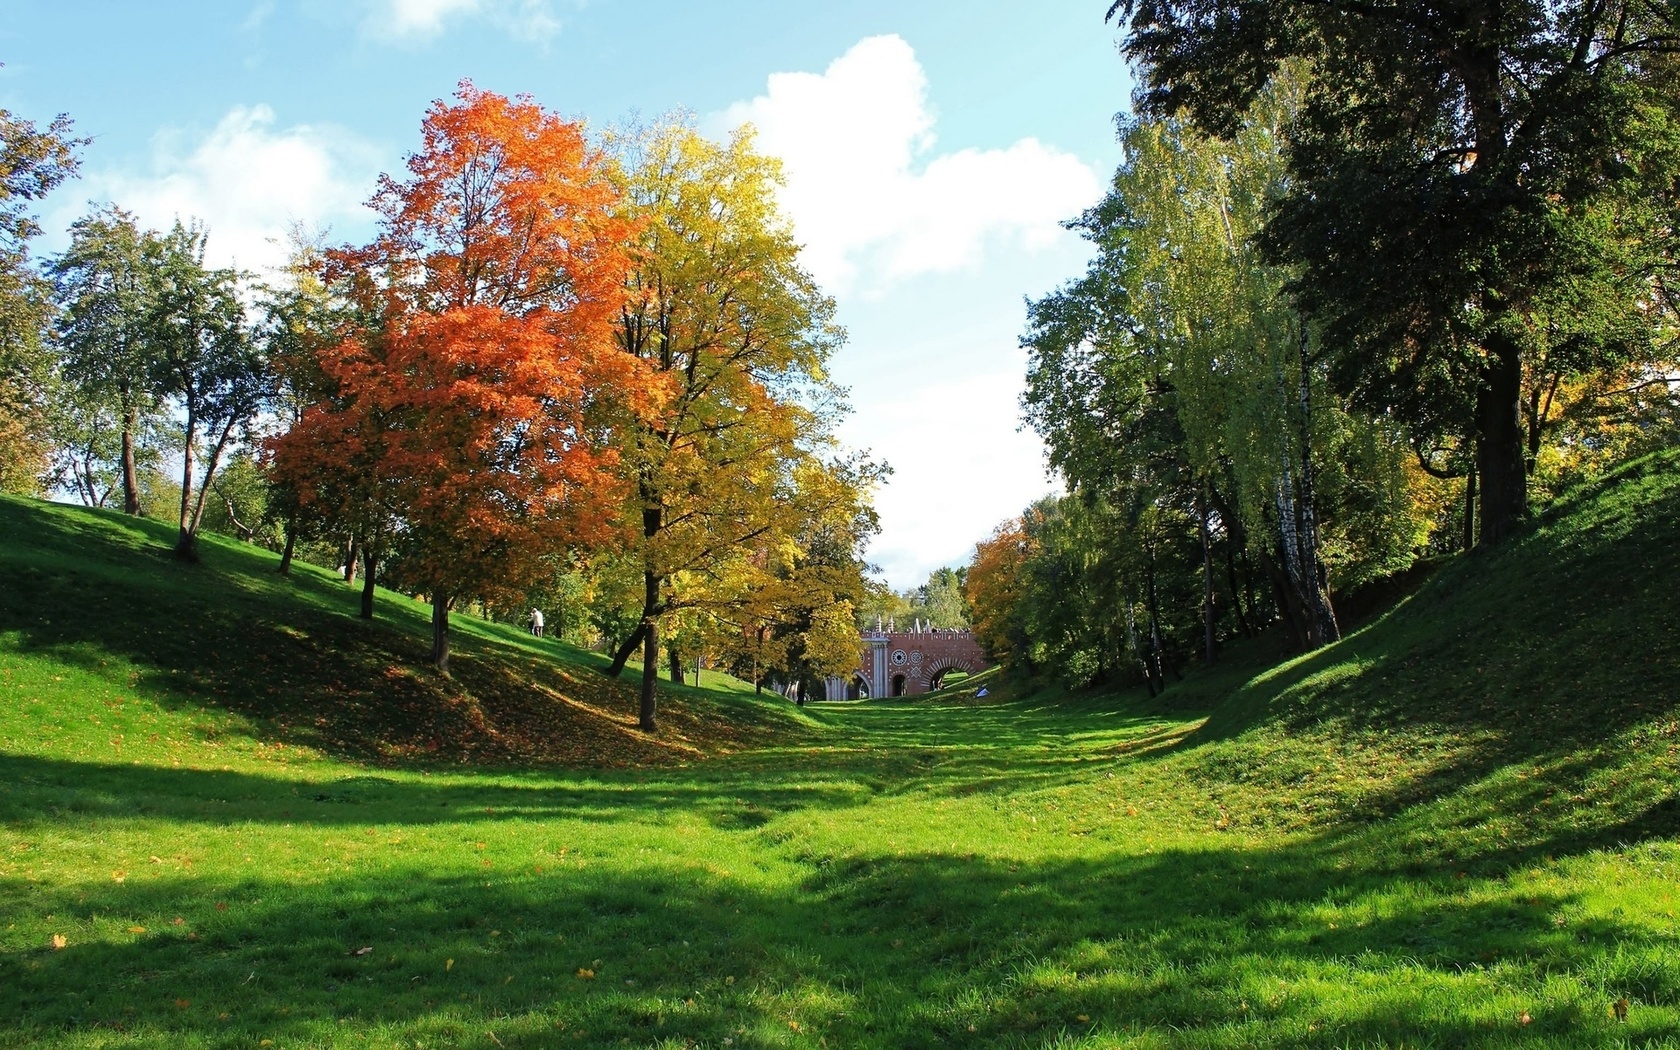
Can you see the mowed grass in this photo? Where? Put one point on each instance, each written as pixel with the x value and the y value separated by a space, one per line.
pixel 1457 828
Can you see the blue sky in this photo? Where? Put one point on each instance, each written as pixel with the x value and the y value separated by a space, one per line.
pixel 931 148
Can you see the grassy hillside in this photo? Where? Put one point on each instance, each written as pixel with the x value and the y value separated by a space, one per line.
pixel 1457 828
pixel 94 608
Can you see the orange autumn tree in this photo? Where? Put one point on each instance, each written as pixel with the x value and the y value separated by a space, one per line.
pixel 993 588
pixel 466 389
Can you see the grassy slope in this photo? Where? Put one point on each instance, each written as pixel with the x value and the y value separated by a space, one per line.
pixel 94 608
pixel 1456 828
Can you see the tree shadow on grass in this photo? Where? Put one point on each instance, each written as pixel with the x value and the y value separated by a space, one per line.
pixel 1525 662
pixel 100 592
pixel 63 793
pixel 1304 945
pixel 1548 638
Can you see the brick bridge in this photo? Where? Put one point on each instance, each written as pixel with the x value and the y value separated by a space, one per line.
pixel 905 663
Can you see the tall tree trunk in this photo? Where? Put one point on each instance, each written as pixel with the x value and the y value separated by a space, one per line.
pixel 653 519
pixel 1288 599
pixel 196 516
pixel 1539 412
pixel 1132 643
pixel 352 554
pixel 1248 589
pixel 370 562
pixel 1236 542
pixel 1499 450
pixel 1156 660
pixel 1470 505
pixel 291 546
pixel 676 664
pixel 186 543
pixel 440 630
pixel 1231 581
pixel 130 474
pixel 650 674
pixel 1323 626
pixel 1207 579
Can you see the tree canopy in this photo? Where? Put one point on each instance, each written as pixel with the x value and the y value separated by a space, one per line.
pixel 471 387
pixel 33 160
pixel 724 470
pixel 1471 187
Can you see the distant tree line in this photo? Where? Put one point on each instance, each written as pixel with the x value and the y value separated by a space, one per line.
pixel 937 603
pixel 583 375
pixel 1370 281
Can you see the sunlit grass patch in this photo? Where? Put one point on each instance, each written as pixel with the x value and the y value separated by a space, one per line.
pixel 1450 831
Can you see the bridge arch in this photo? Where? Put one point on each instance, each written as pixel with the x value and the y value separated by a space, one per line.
pixel 908 663
pixel 937 670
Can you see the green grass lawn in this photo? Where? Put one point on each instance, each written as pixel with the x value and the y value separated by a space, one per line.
pixel 255 820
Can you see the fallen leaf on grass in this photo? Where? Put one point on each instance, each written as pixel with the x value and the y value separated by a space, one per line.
pixel 362 951
pixel 183 1003
pixel 1620 1009
pixel 585 973
pixel 137 929
pixel 119 876
pixel 177 921
pixel 59 941
pixel 1524 1019
pixel 448 964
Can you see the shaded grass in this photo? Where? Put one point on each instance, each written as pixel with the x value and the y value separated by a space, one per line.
pixel 95 608
pixel 1457 828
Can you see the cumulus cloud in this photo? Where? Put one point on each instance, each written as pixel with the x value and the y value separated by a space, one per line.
pixel 531 20
pixel 248 182
pixel 957 472
pixel 867 190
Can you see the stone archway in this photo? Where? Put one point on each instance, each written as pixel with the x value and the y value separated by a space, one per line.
pixel 908 663
pixel 940 668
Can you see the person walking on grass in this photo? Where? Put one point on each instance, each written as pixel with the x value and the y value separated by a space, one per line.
pixel 536 622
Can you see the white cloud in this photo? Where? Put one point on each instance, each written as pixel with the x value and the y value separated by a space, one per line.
pixel 530 20
pixel 248 182
pixel 869 194
pixel 959 468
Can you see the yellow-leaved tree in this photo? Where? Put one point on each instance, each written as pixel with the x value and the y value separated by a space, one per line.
pixel 737 338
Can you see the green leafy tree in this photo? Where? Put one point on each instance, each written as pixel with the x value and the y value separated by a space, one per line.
pixel 1178 382
pixel 736 338
pixel 33 160
pixel 1468 183
pixel 208 361
pixel 238 501
pixel 86 434
pixel 106 285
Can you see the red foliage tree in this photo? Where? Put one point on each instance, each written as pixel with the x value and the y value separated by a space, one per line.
pixel 465 387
